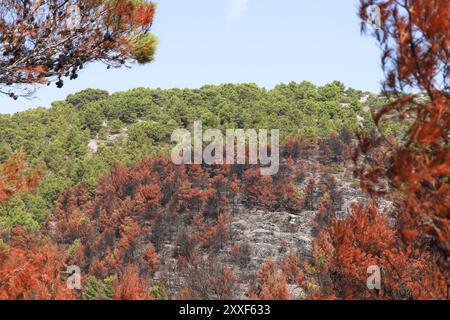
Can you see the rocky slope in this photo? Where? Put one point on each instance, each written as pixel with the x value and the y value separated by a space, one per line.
pixel 261 235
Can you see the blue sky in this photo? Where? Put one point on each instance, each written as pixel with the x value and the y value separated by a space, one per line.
pixel 232 41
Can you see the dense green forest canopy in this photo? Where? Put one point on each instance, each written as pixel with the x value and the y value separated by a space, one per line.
pixel 79 139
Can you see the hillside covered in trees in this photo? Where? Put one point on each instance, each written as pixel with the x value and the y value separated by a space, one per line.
pixel 111 202
pixel 79 139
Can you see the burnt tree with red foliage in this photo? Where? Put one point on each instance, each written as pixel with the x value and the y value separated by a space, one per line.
pixel 271 283
pixel 31 269
pixel 15 176
pixel 346 248
pixel 414 37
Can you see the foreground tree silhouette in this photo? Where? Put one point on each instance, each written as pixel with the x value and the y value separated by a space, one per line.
pixel 42 41
pixel 412 173
pixel 414 37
